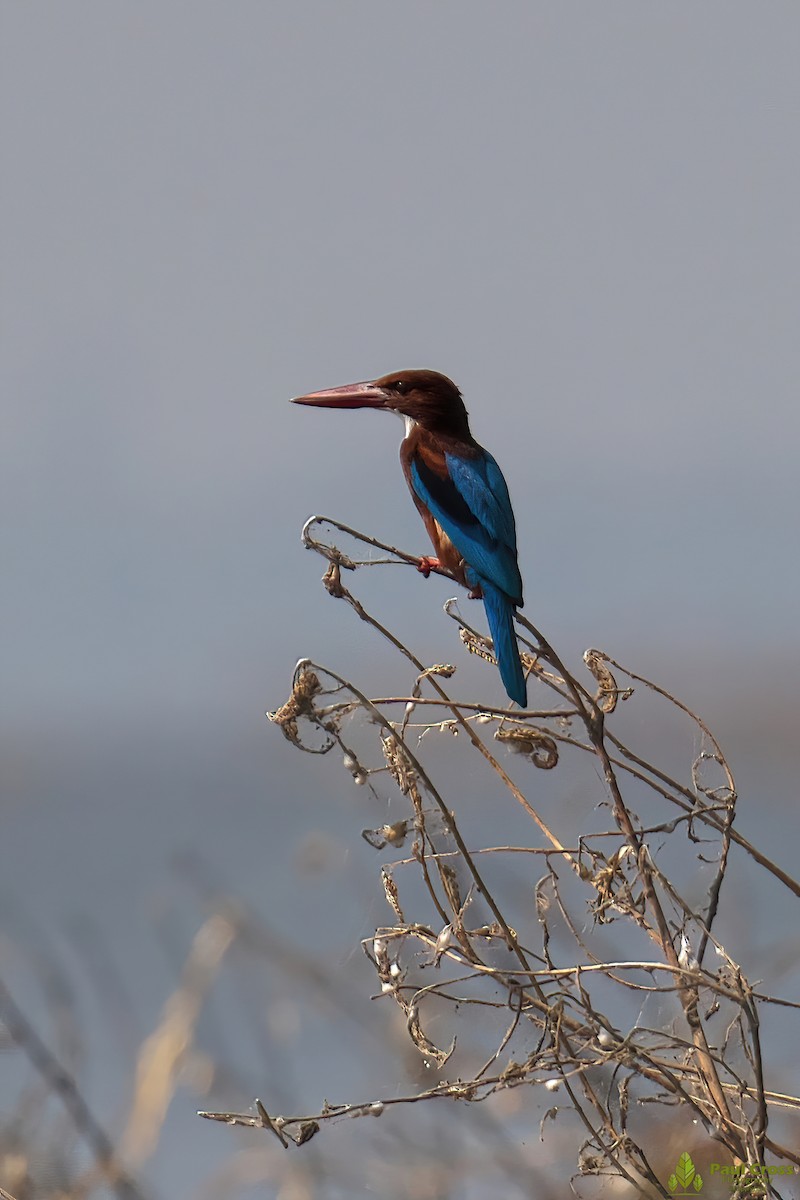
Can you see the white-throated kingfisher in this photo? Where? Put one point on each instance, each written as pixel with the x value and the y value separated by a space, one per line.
pixel 460 493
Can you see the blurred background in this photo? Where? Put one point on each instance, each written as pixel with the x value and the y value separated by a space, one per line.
pixel 588 217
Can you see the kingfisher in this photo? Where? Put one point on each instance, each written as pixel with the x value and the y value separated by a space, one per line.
pixel 460 493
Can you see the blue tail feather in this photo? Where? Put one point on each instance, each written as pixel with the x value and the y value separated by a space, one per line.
pixel 500 615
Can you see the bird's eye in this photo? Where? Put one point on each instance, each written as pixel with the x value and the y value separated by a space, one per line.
pixel 400 386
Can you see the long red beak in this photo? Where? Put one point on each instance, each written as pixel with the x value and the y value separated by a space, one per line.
pixel 352 395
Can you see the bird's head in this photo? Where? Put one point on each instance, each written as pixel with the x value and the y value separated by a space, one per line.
pixel 430 399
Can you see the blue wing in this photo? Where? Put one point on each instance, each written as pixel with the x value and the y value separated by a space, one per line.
pixel 473 508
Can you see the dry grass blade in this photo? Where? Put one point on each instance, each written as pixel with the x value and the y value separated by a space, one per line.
pixel 162 1054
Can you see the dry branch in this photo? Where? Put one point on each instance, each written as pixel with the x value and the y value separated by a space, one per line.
pixel 539 959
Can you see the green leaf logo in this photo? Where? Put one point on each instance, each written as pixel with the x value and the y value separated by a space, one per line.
pixel 685 1176
pixel 685 1170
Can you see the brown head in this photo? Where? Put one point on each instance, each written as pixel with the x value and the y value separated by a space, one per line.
pixel 430 399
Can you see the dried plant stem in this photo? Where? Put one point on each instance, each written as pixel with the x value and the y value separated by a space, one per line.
pixel 623 872
pixel 63 1085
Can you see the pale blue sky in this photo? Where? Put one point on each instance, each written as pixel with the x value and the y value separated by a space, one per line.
pixel 586 216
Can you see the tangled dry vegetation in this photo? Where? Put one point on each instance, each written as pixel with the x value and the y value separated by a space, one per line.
pixel 568 969
pixel 599 983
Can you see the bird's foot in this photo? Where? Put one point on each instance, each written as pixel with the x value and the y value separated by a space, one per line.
pixel 427 564
pixel 476 593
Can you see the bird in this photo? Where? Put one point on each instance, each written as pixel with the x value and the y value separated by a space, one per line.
pixel 460 493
